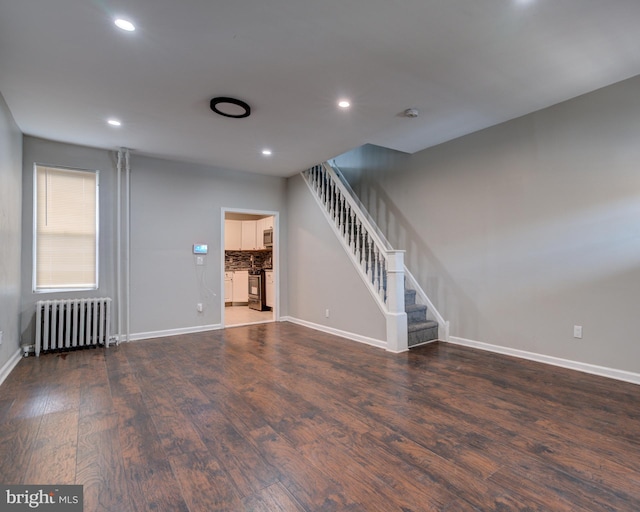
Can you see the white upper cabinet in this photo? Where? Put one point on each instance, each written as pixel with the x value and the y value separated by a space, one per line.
pixel 259 233
pixel 232 235
pixel 249 235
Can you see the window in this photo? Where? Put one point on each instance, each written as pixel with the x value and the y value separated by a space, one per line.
pixel 66 229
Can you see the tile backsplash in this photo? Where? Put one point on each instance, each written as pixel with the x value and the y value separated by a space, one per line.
pixel 241 260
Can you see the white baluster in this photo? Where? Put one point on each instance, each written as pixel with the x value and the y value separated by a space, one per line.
pixel 376 270
pixel 324 187
pixel 352 231
pixel 369 249
pixel 383 274
pixel 359 241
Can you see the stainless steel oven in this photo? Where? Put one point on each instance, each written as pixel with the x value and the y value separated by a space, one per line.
pixel 257 296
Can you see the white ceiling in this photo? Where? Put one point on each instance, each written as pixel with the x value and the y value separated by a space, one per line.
pixel 465 64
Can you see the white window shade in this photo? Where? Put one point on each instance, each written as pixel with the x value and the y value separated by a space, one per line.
pixel 66 238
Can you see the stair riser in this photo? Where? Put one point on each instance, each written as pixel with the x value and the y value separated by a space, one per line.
pixel 417 316
pixel 423 335
pixel 409 297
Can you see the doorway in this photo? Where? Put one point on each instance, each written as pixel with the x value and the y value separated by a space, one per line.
pixel 249 267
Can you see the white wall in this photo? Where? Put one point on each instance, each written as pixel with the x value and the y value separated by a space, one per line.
pixel 175 205
pixel 10 231
pixel 523 230
pixel 321 276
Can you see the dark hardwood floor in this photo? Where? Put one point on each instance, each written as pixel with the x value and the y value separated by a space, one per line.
pixel 277 417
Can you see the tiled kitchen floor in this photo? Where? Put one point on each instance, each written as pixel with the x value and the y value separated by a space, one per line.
pixel 240 315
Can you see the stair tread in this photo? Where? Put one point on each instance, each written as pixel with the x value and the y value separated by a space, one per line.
pixel 414 307
pixel 422 325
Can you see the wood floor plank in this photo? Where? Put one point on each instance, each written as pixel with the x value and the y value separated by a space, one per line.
pixel 17 445
pixel 204 484
pixel 5 406
pixel 373 479
pixel 247 468
pixel 29 402
pixel 274 498
pixel 542 479
pixel 100 466
pixel 54 453
pixel 312 488
pixel 151 484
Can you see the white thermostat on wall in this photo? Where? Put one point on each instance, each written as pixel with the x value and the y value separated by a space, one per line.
pixel 199 248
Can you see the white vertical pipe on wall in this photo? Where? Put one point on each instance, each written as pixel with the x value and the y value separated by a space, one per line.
pixel 123 243
pixel 119 245
pixel 128 239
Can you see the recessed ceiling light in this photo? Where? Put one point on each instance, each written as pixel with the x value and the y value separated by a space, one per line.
pixel 344 104
pixel 266 152
pixel 114 122
pixel 125 24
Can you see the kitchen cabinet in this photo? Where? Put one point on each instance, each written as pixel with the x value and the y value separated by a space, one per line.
pixel 228 287
pixel 259 233
pixel 248 235
pixel 232 235
pixel 240 286
pixel 270 289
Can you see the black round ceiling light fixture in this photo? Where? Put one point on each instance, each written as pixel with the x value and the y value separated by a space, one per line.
pixel 230 107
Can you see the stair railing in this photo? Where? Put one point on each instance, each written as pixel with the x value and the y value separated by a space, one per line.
pixel 380 266
pixel 421 295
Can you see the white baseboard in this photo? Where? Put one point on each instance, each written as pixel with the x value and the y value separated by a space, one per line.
pixel 173 332
pixel 10 365
pixel 337 332
pixel 602 371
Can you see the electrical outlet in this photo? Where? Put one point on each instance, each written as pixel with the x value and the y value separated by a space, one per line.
pixel 199 260
pixel 326 313
pixel 577 331
pixel 199 307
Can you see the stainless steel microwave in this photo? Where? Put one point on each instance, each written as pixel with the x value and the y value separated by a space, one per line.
pixel 268 238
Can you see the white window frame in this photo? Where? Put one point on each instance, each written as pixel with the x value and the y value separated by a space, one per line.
pixel 35 230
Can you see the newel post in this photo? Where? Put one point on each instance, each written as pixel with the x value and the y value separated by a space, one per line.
pixel 397 334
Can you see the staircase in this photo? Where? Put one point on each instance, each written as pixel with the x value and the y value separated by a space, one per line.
pixel 397 293
pixel 420 329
